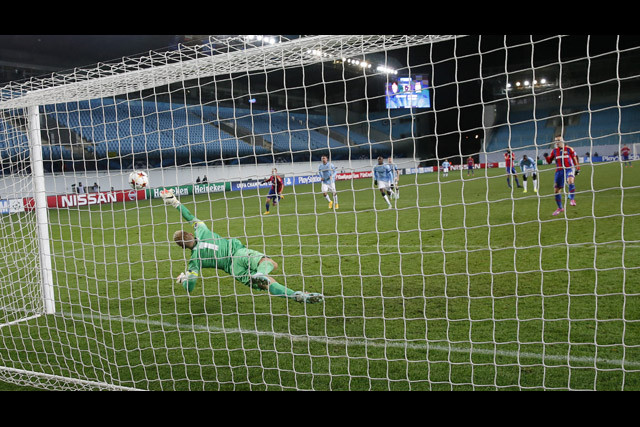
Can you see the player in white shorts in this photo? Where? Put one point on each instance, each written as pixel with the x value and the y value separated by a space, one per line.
pixel 327 172
pixel 529 168
pixel 383 179
pixel 445 168
pixel 327 187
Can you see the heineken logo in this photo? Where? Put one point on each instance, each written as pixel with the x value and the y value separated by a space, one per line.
pixel 208 188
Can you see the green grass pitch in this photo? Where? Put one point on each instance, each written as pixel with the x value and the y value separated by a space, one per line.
pixel 465 285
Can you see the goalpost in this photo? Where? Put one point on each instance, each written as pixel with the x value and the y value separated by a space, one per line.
pixel 462 283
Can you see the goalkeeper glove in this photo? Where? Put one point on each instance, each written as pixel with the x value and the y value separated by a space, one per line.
pixel 181 278
pixel 169 198
pixel 188 281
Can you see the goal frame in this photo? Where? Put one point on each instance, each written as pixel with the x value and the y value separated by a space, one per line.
pixel 148 72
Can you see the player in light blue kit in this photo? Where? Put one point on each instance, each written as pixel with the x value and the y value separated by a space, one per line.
pixel 529 168
pixel 445 168
pixel 327 172
pixel 383 178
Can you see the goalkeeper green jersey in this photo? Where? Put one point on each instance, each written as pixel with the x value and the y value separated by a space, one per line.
pixel 211 249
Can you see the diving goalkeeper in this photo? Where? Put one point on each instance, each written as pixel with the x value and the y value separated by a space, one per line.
pixel 210 250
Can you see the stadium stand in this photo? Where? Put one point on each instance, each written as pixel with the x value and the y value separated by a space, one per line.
pixel 600 126
pixel 111 128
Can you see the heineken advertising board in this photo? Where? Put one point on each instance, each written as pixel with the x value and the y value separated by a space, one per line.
pixel 195 189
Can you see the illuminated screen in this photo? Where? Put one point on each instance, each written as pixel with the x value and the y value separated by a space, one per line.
pixel 407 92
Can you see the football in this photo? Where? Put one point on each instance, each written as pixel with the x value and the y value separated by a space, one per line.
pixel 138 180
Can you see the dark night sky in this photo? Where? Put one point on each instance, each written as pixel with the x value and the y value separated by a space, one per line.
pixel 65 51
pixel 62 52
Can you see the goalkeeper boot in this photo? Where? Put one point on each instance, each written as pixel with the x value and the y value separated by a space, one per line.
pixel 337 206
pixel 307 297
pixel 330 205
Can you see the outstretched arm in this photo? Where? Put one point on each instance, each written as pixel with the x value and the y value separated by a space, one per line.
pixel 189 279
pixel 188 216
pixel 169 198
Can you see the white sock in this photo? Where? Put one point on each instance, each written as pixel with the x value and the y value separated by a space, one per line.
pixel 327 197
pixel 386 199
pixel 524 183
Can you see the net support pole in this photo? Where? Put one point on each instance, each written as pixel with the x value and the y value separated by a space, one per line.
pixel 42 216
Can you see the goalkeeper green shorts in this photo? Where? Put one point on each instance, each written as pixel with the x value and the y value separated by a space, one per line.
pixel 245 263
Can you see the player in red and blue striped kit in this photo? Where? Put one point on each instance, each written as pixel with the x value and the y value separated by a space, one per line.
pixel 510 163
pixel 567 167
pixel 275 192
pixel 624 152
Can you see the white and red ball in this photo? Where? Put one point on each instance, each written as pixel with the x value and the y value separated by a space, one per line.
pixel 139 180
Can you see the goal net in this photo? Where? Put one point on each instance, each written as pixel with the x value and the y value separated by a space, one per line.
pixel 466 272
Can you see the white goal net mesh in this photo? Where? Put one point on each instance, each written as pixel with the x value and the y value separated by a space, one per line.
pixel 457 276
pixel 21 295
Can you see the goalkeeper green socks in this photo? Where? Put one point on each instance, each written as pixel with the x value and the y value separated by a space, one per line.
pixel 275 288
pixel 279 290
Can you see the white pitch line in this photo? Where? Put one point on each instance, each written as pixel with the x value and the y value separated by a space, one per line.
pixel 453 246
pixel 447 247
pixel 368 342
